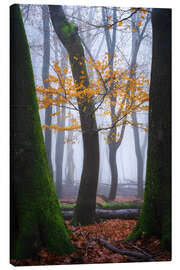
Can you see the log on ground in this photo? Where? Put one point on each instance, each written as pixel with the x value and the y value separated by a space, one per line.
pixel 109 214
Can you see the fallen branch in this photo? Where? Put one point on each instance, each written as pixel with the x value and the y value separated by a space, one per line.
pixel 139 249
pixel 124 252
pixel 109 214
pixel 68 202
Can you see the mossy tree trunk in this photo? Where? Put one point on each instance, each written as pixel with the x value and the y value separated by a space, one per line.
pixel 86 202
pixel 155 217
pixel 35 216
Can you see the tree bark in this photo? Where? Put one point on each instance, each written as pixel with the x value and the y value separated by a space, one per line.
pixel 114 171
pixel 86 202
pixel 155 218
pixel 35 216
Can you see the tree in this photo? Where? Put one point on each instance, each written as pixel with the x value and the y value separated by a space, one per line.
pixel 137 37
pixel 35 216
pixel 45 75
pixel 67 33
pixel 70 160
pixel 88 96
pixel 113 145
pixel 59 154
pixel 155 217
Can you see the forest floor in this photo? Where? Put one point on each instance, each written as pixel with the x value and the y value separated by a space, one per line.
pixel 102 199
pixel 103 242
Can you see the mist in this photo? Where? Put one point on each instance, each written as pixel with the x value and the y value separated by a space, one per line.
pixel 85 18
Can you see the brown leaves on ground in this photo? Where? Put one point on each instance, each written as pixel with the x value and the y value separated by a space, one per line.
pixel 89 250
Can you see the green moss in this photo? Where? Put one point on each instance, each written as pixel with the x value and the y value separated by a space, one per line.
pixel 67 28
pixel 36 219
pixel 68 206
pixel 123 205
pixel 112 206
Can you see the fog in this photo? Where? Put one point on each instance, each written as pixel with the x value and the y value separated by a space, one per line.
pixel 85 19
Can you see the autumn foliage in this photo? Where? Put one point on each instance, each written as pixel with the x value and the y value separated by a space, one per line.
pixel 130 93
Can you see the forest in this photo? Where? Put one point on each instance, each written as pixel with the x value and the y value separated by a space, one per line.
pixel 90 134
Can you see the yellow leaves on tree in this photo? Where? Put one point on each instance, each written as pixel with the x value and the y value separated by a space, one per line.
pixel 130 94
pixel 120 23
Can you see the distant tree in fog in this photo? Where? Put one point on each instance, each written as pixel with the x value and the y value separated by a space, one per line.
pixel 70 166
pixel 137 38
pixel 114 142
pixel 45 75
pixel 60 138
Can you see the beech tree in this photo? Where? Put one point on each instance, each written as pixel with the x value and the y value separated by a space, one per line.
pixel 139 19
pixel 67 33
pixel 70 160
pixel 35 215
pixel 155 217
pixel 59 152
pixel 137 38
pixel 113 145
pixel 45 75
pixel 87 96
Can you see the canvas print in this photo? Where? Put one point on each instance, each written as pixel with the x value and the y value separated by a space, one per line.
pixel 90 93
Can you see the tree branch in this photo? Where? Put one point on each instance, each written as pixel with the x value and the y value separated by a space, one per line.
pixel 139 255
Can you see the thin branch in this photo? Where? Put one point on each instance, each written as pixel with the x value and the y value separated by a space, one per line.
pixel 144 28
pixel 99 73
pixel 118 21
pixel 118 143
pixel 119 119
pixel 124 252
pixel 139 249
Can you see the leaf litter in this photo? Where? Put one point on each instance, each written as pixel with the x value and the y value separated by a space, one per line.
pixel 89 246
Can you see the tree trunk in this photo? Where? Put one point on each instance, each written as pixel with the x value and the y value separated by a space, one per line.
pixel 70 160
pixel 59 156
pixel 111 42
pixel 35 216
pixel 155 218
pixel 114 171
pixel 136 42
pixel 140 161
pixel 45 75
pixel 59 151
pixel 86 202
